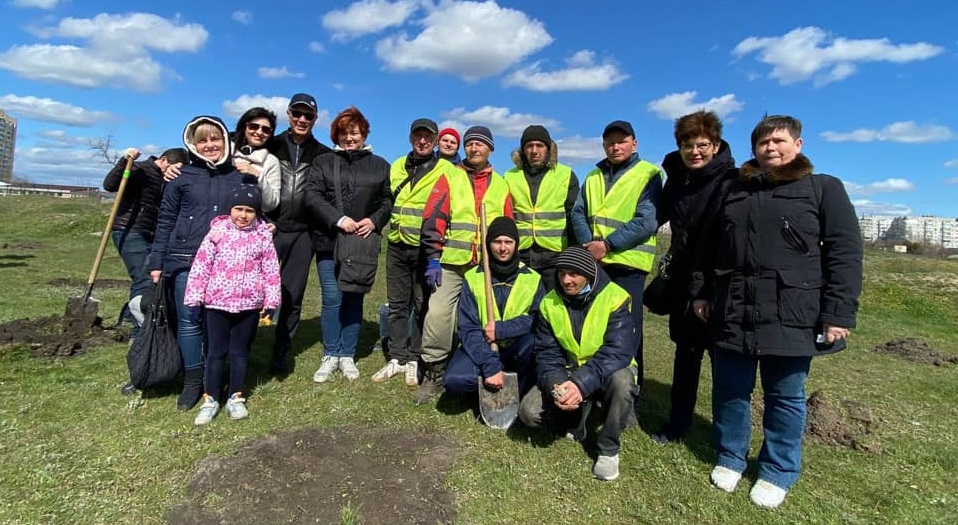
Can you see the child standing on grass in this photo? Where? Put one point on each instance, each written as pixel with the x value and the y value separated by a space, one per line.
pixel 234 276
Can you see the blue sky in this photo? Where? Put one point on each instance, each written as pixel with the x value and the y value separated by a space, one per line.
pixel 873 86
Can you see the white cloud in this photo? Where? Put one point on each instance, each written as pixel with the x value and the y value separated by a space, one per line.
pixel 235 108
pixel 810 53
pixel 243 17
pixel 582 73
pixel 469 39
pixel 58 138
pixel 953 163
pixel 907 132
pixel 316 47
pixel 117 51
pixel 368 16
pixel 78 166
pixel 501 121
pixel 675 105
pixel 278 72
pixel 580 149
pixel 867 207
pixel 49 110
pixel 892 185
pixel 953 180
pixel 39 4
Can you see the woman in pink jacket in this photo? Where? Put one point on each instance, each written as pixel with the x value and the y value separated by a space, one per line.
pixel 234 276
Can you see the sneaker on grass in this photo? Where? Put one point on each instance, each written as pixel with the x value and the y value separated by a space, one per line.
pixel 390 369
pixel 329 365
pixel 767 495
pixel 412 373
pixel 725 478
pixel 208 410
pixel 236 406
pixel 606 468
pixel 348 366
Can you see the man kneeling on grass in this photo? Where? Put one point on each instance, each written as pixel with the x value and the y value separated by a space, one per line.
pixel 584 355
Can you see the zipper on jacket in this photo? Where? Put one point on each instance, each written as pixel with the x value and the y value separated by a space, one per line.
pixel 793 236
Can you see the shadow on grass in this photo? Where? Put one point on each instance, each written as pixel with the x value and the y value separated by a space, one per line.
pixel 652 410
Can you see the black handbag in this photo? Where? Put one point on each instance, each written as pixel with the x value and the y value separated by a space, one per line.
pixel 357 257
pixel 154 357
pixel 656 294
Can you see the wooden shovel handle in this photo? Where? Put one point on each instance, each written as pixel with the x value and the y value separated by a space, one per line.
pixel 486 272
pixel 108 228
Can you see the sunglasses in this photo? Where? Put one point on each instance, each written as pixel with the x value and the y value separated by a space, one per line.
pixel 302 114
pixel 252 126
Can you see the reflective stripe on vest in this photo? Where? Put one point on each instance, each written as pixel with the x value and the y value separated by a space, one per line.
pixel 542 223
pixel 462 231
pixel 553 311
pixel 611 209
pixel 405 222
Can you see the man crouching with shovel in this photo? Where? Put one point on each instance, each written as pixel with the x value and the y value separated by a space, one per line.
pixel 495 356
pixel 584 356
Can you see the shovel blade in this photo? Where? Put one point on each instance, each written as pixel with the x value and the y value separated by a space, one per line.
pixel 500 408
pixel 82 310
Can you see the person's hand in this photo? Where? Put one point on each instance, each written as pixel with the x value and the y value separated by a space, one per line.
pixel 271 227
pixel 247 168
pixel 268 313
pixel 172 171
pixel 833 333
pixel 489 331
pixel 567 396
pixel 348 225
pixel 598 249
pixel 433 274
pixel 156 274
pixel 195 312
pixel 495 381
pixel 132 153
pixel 364 227
pixel 702 309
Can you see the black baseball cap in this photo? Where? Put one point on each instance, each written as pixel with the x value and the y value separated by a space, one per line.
pixel 302 99
pixel 424 123
pixel 619 125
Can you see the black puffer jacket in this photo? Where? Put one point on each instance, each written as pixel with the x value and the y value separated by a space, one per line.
pixel 365 186
pixel 292 214
pixel 778 262
pixel 686 192
pixel 141 198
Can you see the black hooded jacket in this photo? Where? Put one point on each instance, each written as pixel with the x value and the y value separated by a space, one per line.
pixel 140 204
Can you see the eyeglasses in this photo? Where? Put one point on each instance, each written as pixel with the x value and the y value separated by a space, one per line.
pixel 252 126
pixel 701 147
pixel 302 114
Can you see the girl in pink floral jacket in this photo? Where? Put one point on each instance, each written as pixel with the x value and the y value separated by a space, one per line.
pixel 235 275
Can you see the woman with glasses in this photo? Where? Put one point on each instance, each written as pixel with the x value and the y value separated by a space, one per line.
pixel 694 172
pixel 253 131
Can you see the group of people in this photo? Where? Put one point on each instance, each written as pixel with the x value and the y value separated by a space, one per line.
pixel 764 269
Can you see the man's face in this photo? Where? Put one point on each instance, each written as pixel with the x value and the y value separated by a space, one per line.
pixel 477 152
pixel 536 152
pixel 448 145
pixel 162 163
pixel 571 282
pixel 423 141
pixel 619 147
pixel 503 248
pixel 301 120
pixel 776 149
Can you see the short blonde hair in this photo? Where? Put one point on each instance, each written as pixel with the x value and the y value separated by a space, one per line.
pixel 204 130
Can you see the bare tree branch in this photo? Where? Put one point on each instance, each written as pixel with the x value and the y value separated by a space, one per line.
pixel 102 148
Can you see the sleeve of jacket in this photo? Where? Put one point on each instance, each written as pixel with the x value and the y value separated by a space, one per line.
pixel 580 220
pixel 115 175
pixel 380 216
pixel 319 184
pixel 270 183
pixel 435 220
pixel 841 256
pixel 615 353
pixel 521 325
pixel 663 212
pixel 271 274
pixel 471 335
pixel 644 224
pixel 571 196
pixel 199 276
pixel 166 221
pixel 551 359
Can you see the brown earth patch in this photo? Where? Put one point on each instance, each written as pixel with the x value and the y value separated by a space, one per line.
pixel 59 336
pixel 81 285
pixel 311 475
pixel 916 350
pixel 844 423
pixel 23 245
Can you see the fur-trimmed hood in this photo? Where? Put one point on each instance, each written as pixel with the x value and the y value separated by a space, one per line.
pixel 519 159
pixel 792 171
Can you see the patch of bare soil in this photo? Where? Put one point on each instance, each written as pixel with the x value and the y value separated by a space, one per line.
pixel 99 284
pixel 916 350
pixel 311 475
pixel 844 423
pixel 23 245
pixel 59 336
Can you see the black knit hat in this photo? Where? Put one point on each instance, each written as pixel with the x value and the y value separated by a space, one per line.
pixel 536 133
pixel 246 195
pixel 578 260
pixel 480 133
pixel 502 226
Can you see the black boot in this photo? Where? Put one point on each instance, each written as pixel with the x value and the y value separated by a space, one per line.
pixel 279 365
pixel 431 382
pixel 192 389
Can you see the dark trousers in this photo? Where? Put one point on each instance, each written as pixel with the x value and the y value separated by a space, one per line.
pixel 406 294
pixel 462 374
pixel 633 281
pixel 685 387
pixel 295 251
pixel 228 334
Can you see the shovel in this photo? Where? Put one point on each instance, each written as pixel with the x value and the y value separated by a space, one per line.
pixel 498 408
pixel 84 309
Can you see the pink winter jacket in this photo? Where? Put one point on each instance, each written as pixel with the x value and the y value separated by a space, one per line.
pixel 235 269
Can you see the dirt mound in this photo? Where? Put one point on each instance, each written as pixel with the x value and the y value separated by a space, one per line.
pixel 841 424
pixel 58 336
pixel 322 476
pixel 916 350
pixel 81 285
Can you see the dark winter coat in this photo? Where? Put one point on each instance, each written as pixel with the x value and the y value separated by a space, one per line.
pixel 778 262
pixel 366 193
pixel 292 214
pixel 554 365
pixel 685 192
pixel 140 204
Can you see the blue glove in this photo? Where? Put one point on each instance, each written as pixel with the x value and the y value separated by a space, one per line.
pixel 433 274
pixel 195 312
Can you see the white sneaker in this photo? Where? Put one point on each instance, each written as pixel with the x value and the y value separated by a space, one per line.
pixel 236 406
pixel 725 478
pixel 606 468
pixel 392 368
pixel 412 373
pixel 208 411
pixel 348 366
pixel 329 365
pixel 767 495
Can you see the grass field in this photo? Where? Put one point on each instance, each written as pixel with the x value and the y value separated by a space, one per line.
pixel 74 451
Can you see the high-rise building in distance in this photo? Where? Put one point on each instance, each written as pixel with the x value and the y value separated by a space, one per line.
pixel 8 143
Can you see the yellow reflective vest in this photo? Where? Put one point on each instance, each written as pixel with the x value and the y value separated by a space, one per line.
pixel 610 208
pixel 520 296
pixel 405 222
pixel 462 232
pixel 544 221
pixel 553 311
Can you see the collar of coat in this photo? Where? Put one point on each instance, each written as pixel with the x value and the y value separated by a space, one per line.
pixel 792 171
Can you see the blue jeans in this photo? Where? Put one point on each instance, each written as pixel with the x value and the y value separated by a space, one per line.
pixel 783 380
pixel 342 313
pixel 133 248
pixel 462 374
pixel 189 336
